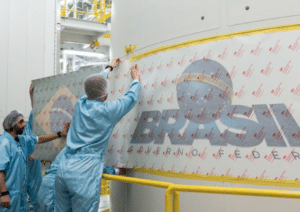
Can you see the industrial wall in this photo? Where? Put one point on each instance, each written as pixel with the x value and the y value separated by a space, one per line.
pixel 152 24
pixel 26 50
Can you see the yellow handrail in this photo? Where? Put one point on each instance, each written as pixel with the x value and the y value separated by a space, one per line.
pixel 173 190
pixel 224 190
pixel 95 9
pixel 63 12
pixel 133 180
pixel 77 11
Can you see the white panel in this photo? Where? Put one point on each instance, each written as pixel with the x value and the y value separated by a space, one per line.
pixel 49 38
pixel 35 45
pixel 260 10
pixel 16 89
pixel 4 23
pixel 151 22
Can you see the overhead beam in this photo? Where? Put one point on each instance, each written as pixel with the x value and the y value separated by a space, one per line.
pixel 79 47
pixel 84 25
pixel 80 31
pixel 76 38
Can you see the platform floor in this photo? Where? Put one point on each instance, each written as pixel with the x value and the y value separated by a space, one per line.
pixel 104 203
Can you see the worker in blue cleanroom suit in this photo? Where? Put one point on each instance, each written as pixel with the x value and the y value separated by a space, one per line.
pixel 46 196
pixel 15 149
pixel 78 178
pixel 34 171
pixel 34 181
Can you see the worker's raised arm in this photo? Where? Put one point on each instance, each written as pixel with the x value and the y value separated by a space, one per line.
pixel 31 89
pixel 114 63
pixel 29 124
pixel 122 106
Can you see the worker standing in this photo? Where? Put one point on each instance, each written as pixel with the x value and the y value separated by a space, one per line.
pixel 78 178
pixel 34 181
pixel 15 149
pixel 33 171
pixel 46 195
pixel 33 166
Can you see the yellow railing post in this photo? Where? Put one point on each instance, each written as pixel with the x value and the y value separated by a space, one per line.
pixel 102 11
pixel 176 201
pixel 95 9
pixel 65 7
pixel 64 11
pixel 168 199
pixel 104 187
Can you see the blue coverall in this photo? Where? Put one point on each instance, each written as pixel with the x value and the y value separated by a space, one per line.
pixel 78 178
pixel 13 157
pixel 34 171
pixel 46 196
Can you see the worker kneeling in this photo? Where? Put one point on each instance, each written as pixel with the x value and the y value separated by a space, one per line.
pixel 78 178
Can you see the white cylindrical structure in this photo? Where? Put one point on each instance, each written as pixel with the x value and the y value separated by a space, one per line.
pixel 150 24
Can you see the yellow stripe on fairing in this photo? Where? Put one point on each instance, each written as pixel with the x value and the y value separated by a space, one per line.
pixel 223 179
pixel 273 29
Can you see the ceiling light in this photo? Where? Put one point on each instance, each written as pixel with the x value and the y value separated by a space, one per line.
pixel 85 46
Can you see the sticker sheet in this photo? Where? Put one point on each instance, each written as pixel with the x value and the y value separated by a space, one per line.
pixel 227 108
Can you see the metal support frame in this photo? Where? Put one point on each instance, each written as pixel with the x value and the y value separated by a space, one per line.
pixel 101 12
